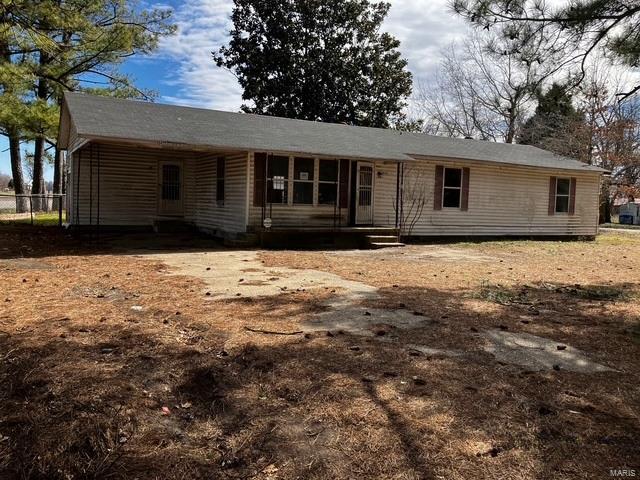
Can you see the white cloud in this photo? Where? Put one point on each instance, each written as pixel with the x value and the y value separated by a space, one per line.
pixel 203 27
pixel 423 26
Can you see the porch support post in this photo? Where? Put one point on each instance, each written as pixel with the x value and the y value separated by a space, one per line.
pixel 264 193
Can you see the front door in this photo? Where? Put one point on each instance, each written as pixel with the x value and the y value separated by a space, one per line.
pixel 364 194
pixel 170 189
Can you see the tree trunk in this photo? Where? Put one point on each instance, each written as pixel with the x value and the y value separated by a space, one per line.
pixel 37 186
pixel 16 171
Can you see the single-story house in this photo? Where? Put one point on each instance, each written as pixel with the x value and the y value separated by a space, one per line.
pixel 241 176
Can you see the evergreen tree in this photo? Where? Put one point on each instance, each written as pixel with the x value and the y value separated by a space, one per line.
pixel 62 45
pixel 317 60
pixel 581 28
pixel 554 124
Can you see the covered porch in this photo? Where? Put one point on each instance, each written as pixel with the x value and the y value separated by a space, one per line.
pixel 313 194
pixel 137 185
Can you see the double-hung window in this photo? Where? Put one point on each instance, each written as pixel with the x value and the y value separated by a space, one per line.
pixel 328 182
pixel 452 188
pixel 563 188
pixel 278 179
pixel 303 176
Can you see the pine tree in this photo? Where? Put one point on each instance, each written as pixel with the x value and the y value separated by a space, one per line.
pixel 580 28
pixel 554 124
pixel 63 45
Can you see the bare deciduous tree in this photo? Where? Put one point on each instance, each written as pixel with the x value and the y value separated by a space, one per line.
pixel 610 134
pixel 484 89
pixel 413 198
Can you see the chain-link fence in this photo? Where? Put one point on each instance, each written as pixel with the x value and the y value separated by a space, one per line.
pixel 42 210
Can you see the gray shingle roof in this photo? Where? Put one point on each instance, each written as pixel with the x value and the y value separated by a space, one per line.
pixel 112 118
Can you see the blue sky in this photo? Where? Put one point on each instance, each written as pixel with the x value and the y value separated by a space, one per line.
pixel 182 72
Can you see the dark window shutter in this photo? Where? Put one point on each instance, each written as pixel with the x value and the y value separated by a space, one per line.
pixel 572 197
pixel 552 195
pixel 437 188
pixel 259 175
pixel 344 184
pixel 220 176
pixel 464 200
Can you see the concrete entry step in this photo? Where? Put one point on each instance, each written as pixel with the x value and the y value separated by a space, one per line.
pixel 375 245
pixel 382 238
pixel 383 241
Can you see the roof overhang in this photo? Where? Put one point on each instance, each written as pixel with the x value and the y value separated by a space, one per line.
pixel 587 168
pixel 205 148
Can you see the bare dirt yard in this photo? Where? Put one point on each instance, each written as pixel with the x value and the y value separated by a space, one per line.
pixel 176 358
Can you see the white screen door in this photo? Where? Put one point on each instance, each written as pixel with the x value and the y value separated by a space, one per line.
pixel 170 189
pixel 364 197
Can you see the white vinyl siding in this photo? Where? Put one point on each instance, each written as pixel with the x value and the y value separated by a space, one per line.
pixel 207 213
pixel 384 194
pixel 503 199
pixel 129 190
pixel 506 200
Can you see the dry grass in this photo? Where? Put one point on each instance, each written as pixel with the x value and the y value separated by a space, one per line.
pixel 85 377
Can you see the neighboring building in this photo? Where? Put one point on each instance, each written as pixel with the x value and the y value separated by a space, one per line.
pixel 137 164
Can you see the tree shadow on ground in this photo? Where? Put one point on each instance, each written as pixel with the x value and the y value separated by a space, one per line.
pixel 39 242
pixel 339 406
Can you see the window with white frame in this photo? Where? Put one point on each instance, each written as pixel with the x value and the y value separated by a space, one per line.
pixel 278 179
pixel 328 182
pixel 303 177
pixel 452 187
pixel 563 187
